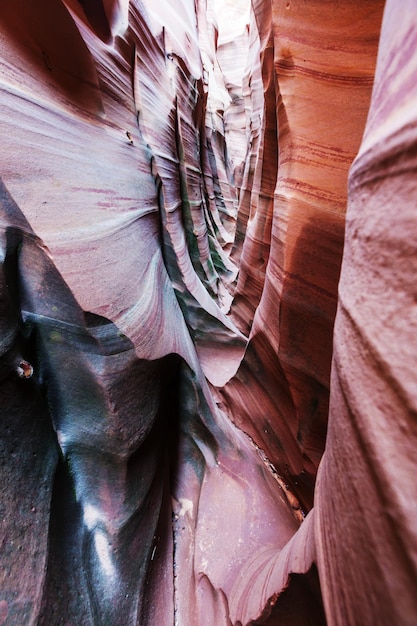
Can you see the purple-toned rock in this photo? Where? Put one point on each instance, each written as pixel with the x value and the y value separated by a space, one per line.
pixel 172 227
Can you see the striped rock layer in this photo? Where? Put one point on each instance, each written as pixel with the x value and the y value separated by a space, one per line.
pixel 208 312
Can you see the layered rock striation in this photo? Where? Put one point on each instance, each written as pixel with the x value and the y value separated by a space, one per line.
pixel 184 440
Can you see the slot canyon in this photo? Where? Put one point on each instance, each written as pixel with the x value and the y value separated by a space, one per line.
pixel 208 312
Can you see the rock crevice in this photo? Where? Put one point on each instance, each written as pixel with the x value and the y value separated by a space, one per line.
pixel 207 312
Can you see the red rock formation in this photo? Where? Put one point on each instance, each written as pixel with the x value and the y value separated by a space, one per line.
pixel 292 251
pixel 172 230
pixel 113 288
pixel 366 532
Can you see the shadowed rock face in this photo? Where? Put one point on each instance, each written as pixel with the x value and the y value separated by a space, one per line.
pixel 183 440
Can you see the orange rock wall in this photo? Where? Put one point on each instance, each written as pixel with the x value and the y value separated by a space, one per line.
pixel 317 76
pixel 194 446
pixel 366 494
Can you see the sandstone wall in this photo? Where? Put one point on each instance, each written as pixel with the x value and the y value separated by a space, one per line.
pixel 194 447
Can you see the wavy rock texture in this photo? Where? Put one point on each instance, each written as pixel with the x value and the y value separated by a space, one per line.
pixel 373 398
pixel 290 262
pixel 172 219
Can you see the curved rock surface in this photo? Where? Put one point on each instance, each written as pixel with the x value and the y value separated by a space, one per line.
pixel 172 221
pixel 370 447
pixel 290 262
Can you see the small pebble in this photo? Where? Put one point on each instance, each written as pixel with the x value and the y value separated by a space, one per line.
pixel 24 369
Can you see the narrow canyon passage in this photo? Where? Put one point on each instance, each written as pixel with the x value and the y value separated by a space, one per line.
pixel 208 312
